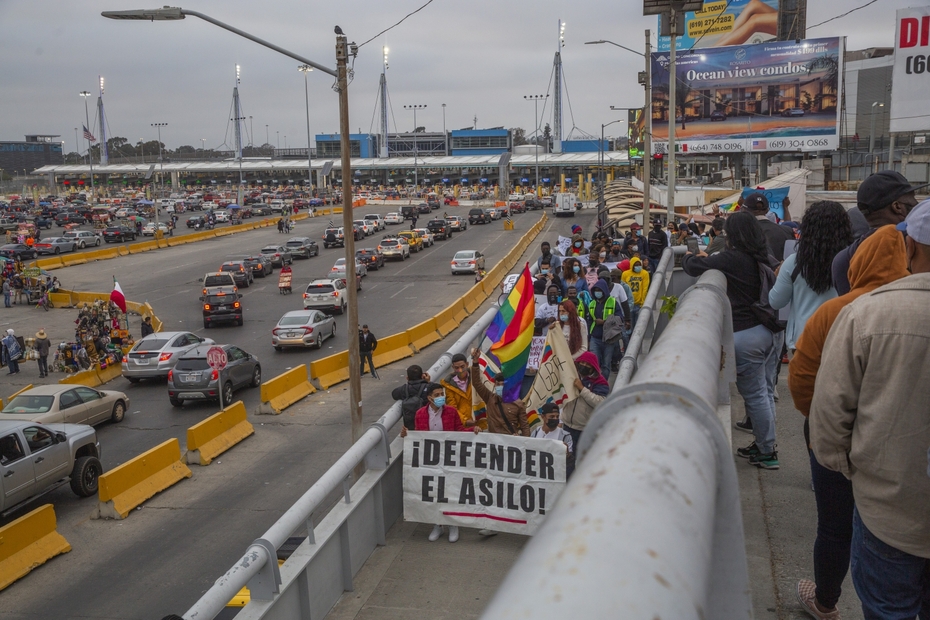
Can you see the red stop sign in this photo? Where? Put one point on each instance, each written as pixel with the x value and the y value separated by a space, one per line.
pixel 216 358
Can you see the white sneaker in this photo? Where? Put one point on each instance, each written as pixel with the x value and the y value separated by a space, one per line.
pixel 453 533
pixel 487 532
pixel 436 533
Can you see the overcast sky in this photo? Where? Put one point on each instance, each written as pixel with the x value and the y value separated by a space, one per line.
pixel 478 57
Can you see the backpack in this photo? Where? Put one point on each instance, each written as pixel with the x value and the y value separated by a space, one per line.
pixel 763 311
pixel 411 404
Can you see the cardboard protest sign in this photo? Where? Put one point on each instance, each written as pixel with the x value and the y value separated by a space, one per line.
pixel 488 481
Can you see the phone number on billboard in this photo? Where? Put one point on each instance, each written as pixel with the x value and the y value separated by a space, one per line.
pixel 712 147
pixel 798 144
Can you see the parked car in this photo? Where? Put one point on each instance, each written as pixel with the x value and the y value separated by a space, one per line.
pixel 377 220
pixel 278 254
pixel 84 238
pixel 149 229
pixel 467 261
pixel 371 258
pixel 302 247
pixel 193 379
pixel 156 354
pixel 440 229
pixel 259 264
pixel 222 305
pixel 118 234
pixel 793 112
pixel 327 294
pixel 429 239
pixel 55 245
pixel 456 223
pixel 338 270
pixel 35 459
pixel 18 251
pixel 478 216
pixel 393 218
pixel 241 273
pixel 196 221
pixel 394 247
pixel 303 328
pixel 718 115
pixel 71 404
pixel 69 217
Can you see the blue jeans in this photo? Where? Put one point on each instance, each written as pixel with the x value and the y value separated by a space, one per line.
pixel 6 300
pixel 604 353
pixel 756 359
pixel 835 504
pixel 891 584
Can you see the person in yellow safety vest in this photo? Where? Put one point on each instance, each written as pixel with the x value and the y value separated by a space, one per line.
pixel 459 394
pixel 638 280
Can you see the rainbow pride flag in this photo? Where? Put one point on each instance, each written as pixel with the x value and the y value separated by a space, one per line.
pixel 511 333
pixel 729 207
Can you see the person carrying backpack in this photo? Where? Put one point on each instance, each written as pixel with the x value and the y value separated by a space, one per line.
pixel 412 394
pixel 747 265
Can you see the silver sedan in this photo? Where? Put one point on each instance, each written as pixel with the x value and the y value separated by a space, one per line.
pixel 55 245
pixel 303 328
pixel 156 354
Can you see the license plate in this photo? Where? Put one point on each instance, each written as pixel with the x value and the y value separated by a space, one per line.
pixel 191 395
pixel 290 335
pixel 320 297
pixel 142 361
pixel 189 378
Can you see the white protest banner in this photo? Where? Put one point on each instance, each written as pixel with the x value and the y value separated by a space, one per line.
pixel 566 242
pixel 509 282
pixel 487 481
pixel 536 351
pixel 555 377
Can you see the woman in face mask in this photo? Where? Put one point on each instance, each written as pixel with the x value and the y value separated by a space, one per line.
pixel 550 429
pixel 573 327
pixel 592 390
pixel 573 275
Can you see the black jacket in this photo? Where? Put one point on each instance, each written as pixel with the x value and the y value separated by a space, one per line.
pixel 409 389
pixel 658 241
pixel 743 282
pixel 147 329
pixel 775 236
pixel 367 345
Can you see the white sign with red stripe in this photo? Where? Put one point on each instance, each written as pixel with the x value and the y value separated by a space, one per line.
pixel 486 481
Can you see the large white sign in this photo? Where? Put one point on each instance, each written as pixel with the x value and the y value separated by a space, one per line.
pixel 910 80
pixel 486 481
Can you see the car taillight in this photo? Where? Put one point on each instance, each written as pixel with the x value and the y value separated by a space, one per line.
pixel 164 357
pixel 214 375
pixel 452 263
pixel 125 360
pixel 170 374
pixel 308 330
pixel 206 306
pixel 306 295
pixel 237 304
pixel 336 293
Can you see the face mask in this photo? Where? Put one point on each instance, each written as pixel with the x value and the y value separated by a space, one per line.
pixel 499 390
pixel 546 251
pixel 578 244
pixel 563 317
pixel 543 271
pixel 553 299
pixel 603 255
pixel 576 269
pixel 638 268
pixel 616 249
pixel 552 423
pixel 439 401
pixel 598 294
pixel 639 233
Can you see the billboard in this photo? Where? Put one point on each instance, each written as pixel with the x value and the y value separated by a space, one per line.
pixel 910 80
pixel 776 96
pixel 719 23
pixel 636 131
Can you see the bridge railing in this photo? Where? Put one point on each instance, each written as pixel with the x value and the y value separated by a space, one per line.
pixel 649 526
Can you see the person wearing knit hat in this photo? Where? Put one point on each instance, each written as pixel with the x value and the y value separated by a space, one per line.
pixel 42 347
pixel 576 229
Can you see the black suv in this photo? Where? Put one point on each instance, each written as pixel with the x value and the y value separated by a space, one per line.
pixel 478 216
pixel 69 217
pixel 409 212
pixel 372 259
pixel 440 229
pixel 118 234
pixel 221 304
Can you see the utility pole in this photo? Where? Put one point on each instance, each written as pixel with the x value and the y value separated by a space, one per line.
pixel 416 178
pixel 161 171
pixel 673 115
pixel 90 157
pixel 647 132
pixel 305 69
pixel 535 99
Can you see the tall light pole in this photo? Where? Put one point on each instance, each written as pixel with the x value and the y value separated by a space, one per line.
pixel 90 158
pixel 601 149
pixel 266 134
pixel 278 139
pixel 416 178
pixel 251 132
pixel 645 78
pixel 305 69
pixel 344 49
pixel 872 133
pixel 161 170
pixel 203 148
pixel 535 99
pixel 445 139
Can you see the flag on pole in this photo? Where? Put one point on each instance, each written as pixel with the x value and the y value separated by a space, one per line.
pixel 117 296
pixel 88 135
pixel 511 333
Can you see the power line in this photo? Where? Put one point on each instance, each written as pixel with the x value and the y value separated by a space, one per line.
pixel 708 28
pixel 428 2
pixel 843 14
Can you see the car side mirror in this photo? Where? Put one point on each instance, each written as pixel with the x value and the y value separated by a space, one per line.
pixel 60 437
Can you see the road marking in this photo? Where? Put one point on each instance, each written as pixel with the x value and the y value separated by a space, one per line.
pixel 401 290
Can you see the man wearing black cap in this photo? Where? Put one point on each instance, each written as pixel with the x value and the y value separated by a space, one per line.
pixel 551 429
pixel 884 198
pixel 775 235
pixel 367 343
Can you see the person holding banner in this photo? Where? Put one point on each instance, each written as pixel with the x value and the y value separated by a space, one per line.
pixel 460 396
pixel 592 390
pixel 573 327
pixel 436 415
pixel 507 418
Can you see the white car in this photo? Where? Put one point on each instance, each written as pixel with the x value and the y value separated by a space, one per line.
pixel 277 206
pixel 83 238
pixel 377 220
pixel 393 218
pixel 426 235
pixel 467 261
pixel 367 226
pixel 326 294
pixel 207 206
pixel 339 269
pixel 149 229
pixel 221 216
pixel 394 247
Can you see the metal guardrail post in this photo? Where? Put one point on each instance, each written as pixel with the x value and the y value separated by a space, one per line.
pixel 650 523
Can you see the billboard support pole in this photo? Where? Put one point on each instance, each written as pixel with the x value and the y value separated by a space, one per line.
pixel 891 151
pixel 647 139
pixel 673 116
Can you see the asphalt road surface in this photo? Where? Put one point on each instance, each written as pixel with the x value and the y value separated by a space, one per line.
pixel 169 551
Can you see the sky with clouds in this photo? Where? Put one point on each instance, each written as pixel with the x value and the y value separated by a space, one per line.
pixel 479 58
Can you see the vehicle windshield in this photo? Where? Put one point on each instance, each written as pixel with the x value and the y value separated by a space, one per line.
pixel 269 250
pixel 390 242
pixel 217 281
pixel 340 262
pixel 231 267
pixel 192 364
pixel 150 344
pixel 294 320
pixel 320 288
pixel 219 299
pixel 30 404
pixel 463 255
pixel 294 244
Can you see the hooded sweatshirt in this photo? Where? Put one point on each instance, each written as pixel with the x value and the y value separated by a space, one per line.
pixel 880 259
pixel 577 413
pixel 576 251
pixel 638 282
pixel 599 309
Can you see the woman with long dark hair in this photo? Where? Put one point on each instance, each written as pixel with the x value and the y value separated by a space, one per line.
pixel 574 328
pixel 756 358
pixel 573 275
pixel 804 279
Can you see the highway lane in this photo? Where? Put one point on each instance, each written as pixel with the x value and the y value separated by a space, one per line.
pixel 167 553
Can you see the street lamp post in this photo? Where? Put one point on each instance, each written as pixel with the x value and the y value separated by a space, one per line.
pixel 305 69
pixel 645 78
pixel 416 178
pixel 535 99
pixel 90 158
pixel 266 134
pixel 601 161
pixel 161 171
pixel 872 133
pixel 203 148
pixel 445 139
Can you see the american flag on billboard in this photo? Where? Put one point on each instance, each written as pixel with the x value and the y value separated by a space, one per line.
pixel 88 135
pixel 758 144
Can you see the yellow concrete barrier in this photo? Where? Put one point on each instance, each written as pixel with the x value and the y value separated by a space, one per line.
pixel 29 542
pixel 17 393
pixel 221 431
pixel 123 250
pixel 173 241
pixel 474 298
pixel 90 378
pixel 331 370
pixel 60 300
pixel 75 259
pixel 109 373
pixel 460 313
pixel 423 334
pixel 445 320
pixel 284 390
pixel 128 485
pixel 50 263
pixel 142 246
pixel 392 348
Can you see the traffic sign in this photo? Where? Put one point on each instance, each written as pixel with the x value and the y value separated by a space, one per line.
pixel 216 358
